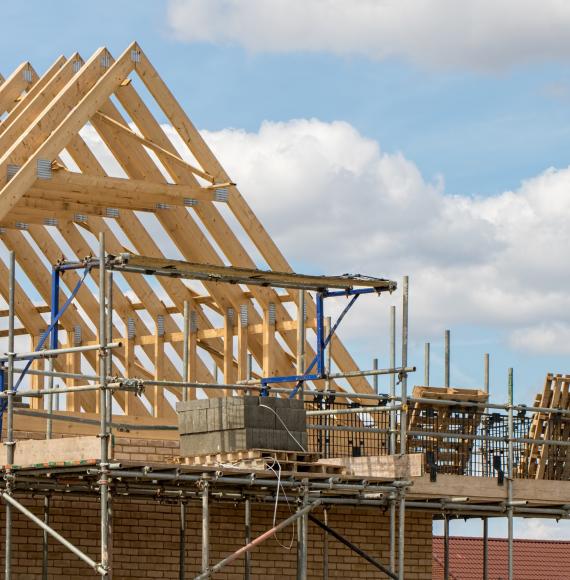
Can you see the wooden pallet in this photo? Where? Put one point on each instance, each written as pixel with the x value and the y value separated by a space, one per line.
pixel 451 454
pixel 549 461
pixel 250 455
pixel 296 463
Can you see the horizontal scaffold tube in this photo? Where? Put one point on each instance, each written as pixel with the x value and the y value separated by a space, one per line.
pixel 250 481
pixel 56 351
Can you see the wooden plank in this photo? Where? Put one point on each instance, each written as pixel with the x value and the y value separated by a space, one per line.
pixel 269 369
pixel 80 113
pixel 191 241
pixel 23 104
pixel 229 377
pixel 23 77
pixel 241 210
pixel 134 230
pixel 116 192
pixel 36 380
pixel 73 402
pixel 240 275
pixel 213 220
pixel 382 466
pixel 160 151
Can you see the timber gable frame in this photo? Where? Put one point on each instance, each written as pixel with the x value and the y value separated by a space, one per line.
pixel 58 194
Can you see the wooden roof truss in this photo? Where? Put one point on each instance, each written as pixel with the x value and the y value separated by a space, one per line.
pixel 85 148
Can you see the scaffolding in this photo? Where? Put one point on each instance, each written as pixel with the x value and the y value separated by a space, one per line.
pixel 379 423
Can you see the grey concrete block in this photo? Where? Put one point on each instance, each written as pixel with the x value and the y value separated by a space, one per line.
pixel 193 421
pixel 261 417
pixel 234 417
pixel 294 419
pixel 297 404
pixel 215 442
pixel 182 406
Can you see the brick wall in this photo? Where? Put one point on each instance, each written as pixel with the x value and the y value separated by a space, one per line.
pixel 145 534
pixel 146 541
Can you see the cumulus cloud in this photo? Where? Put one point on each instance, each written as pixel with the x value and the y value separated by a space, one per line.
pixel 553 338
pixel 478 34
pixel 333 200
pixel 335 203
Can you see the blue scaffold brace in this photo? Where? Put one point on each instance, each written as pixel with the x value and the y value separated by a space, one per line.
pixel 48 332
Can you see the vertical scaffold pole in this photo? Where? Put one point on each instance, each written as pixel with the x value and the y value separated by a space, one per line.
pixel 485 548
pixel 320 311
pixel 45 540
pixel 185 376
pixel 485 447
pixel 109 335
pixel 426 363
pixel 510 478
pixel 9 440
pixel 303 529
pixel 301 339
pixel 325 545
pixel 403 426
pixel 375 377
pixel 446 547
pixel 393 379
pixel 247 562
pixel 392 446
pixel 485 467
pixel 447 358
pixel 54 342
pixel 205 525
pixel 104 435
pixel 328 358
pixel 109 397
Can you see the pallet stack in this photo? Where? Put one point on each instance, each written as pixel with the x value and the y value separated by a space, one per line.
pixel 287 463
pixel 450 454
pixel 549 461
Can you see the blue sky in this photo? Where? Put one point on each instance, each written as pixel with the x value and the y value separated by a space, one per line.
pixel 462 124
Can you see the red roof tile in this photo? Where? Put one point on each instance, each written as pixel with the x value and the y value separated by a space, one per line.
pixel 533 559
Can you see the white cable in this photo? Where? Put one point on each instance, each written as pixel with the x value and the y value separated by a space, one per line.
pixel 283 423
pixel 279 485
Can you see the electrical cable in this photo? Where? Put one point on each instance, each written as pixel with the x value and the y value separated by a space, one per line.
pixel 283 423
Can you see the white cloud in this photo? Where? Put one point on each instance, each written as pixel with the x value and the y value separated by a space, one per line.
pixel 333 200
pixel 479 34
pixel 543 338
pixel 540 529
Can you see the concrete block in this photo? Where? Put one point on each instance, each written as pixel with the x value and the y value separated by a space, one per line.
pixel 234 417
pixel 297 404
pixel 260 417
pixel 195 421
pixel 294 419
pixel 214 419
pixel 214 442
pixel 192 405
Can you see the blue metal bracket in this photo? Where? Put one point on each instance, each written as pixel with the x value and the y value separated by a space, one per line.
pixel 52 332
pixel 322 342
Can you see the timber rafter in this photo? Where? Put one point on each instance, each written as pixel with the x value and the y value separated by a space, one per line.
pixel 72 164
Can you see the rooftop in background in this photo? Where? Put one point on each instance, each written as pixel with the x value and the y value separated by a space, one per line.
pixel 533 559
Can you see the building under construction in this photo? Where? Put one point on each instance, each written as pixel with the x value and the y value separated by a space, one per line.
pixel 176 402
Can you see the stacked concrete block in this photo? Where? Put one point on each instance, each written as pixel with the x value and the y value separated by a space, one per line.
pixel 240 423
